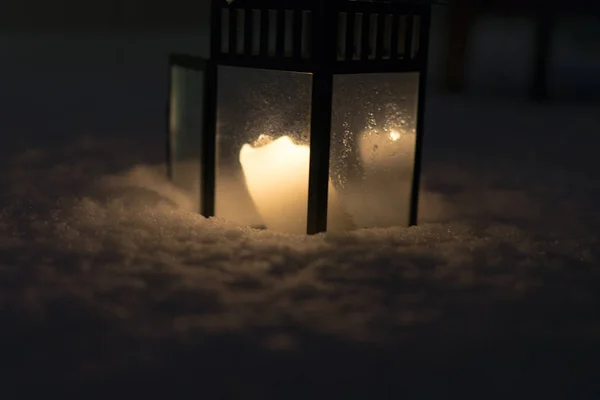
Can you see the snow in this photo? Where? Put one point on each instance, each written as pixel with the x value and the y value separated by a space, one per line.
pixel 110 286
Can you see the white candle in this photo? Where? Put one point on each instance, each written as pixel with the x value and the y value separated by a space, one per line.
pixel 277 178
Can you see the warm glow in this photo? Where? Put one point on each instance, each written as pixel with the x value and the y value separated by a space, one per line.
pixel 394 135
pixel 386 150
pixel 277 179
pixel 276 174
pixel 262 140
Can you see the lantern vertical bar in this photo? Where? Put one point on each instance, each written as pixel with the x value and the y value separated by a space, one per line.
pixel 324 46
pixel 208 143
pixel 168 155
pixel 320 134
pixel 208 140
pixel 422 59
pixel 169 152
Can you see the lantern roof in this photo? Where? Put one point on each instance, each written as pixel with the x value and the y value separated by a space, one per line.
pixel 305 3
pixel 308 35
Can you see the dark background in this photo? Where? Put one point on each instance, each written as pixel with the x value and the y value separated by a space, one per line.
pixel 77 15
pixel 73 67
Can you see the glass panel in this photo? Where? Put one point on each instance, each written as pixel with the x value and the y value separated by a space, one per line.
pixel 185 129
pixel 263 148
pixel 373 147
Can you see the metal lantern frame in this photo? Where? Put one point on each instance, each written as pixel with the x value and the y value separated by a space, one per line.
pixel 320 45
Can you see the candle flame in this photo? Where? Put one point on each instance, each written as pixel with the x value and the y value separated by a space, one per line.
pixel 262 140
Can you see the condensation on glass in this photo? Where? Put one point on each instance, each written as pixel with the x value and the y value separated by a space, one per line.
pixel 373 147
pixel 263 148
pixel 185 125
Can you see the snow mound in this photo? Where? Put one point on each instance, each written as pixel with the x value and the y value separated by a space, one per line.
pixel 107 275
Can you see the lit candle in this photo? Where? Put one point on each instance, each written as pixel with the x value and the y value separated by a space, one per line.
pixel 277 178
pixel 388 161
pixel 386 150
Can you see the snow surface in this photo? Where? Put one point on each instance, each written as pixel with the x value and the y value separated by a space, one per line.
pixel 110 287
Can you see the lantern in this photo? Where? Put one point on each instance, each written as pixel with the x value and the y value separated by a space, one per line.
pixel 307 117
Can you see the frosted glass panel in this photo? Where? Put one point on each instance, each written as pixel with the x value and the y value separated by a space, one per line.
pixel 373 147
pixel 263 148
pixel 185 129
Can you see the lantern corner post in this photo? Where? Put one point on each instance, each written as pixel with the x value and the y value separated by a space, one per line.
pixel 208 142
pixel 320 143
pixel 323 59
pixel 423 60
pixel 168 131
pixel 168 140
